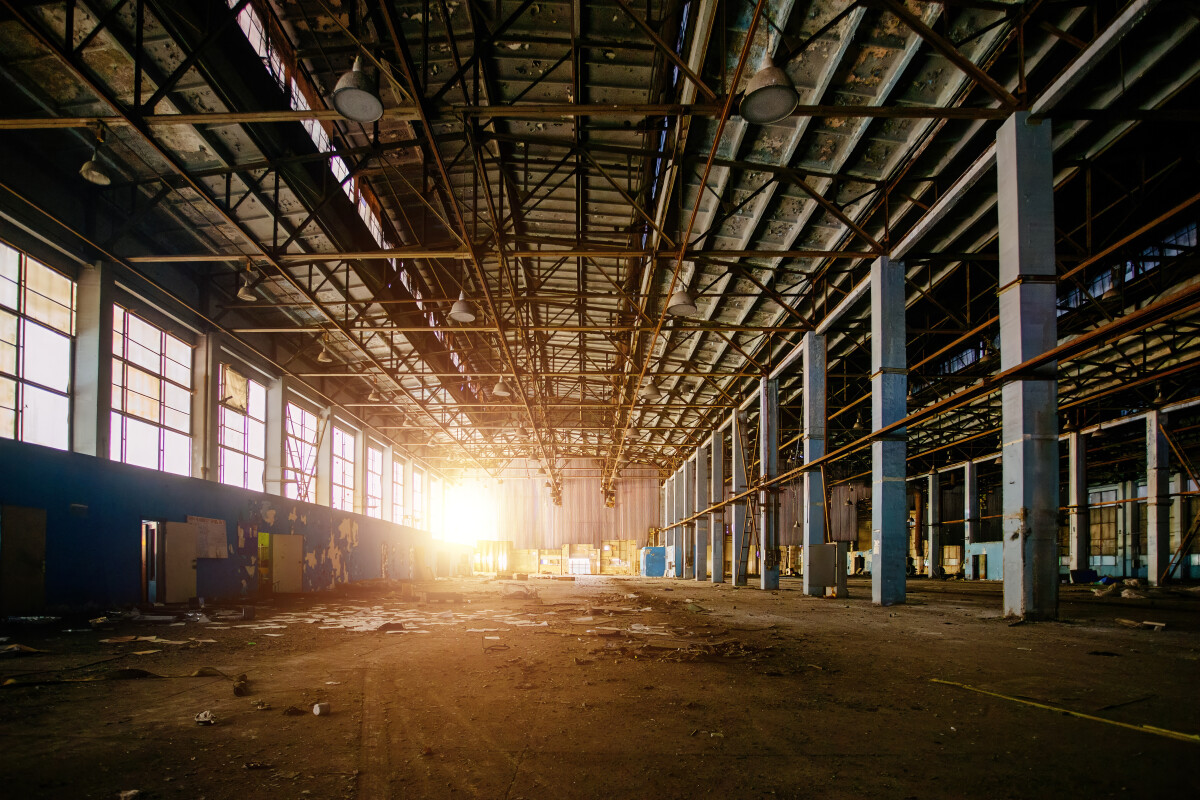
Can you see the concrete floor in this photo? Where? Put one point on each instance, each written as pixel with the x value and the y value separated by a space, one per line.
pixel 699 691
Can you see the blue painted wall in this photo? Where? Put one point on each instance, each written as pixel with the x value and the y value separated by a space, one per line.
pixel 94 509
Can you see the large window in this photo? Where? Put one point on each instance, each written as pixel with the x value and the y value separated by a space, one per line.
pixel 343 469
pixel 299 453
pixel 242 432
pixel 37 329
pixel 397 491
pixel 418 498
pixel 374 482
pixel 151 396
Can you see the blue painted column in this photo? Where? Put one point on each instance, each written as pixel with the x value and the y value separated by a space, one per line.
pixel 812 497
pixel 700 554
pixel 716 520
pixel 1028 327
pixel 738 467
pixel 768 499
pixel 889 403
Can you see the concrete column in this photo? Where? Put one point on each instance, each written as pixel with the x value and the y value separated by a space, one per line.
pixel 689 530
pixel 700 554
pixel 768 499
pixel 812 493
pixel 276 405
pixel 970 517
pixel 205 379
pixel 738 468
pixel 669 511
pixel 889 403
pixel 386 478
pixel 680 512
pixel 933 523
pixel 716 520
pixel 1158 499
pixel 91 384
pixel 1179 483
pixel 1077 499
pixel 1028 328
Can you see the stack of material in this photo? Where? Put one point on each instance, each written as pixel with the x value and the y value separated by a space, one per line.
pixel 618 557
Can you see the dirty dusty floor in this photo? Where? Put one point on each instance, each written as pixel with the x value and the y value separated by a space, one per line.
pixel 700 691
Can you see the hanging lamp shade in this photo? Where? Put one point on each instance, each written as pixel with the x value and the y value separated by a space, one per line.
pixel 244 291
pixel 651 392
pixel 770 95
pixel 462 311
pixel 374 396
pixel 94 171
pixel 325 357
pixel 356 96
pixel 681 304
pixel 501 388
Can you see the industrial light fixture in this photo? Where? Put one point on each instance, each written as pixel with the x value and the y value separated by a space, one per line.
pixel 461 311
pixel 244 291
pixel 374 396
pixel 501 388
pixel 858 426
pixel 681 304
pixel 651 392
pixel 770 95
pixel 325 357
pixel 94 170
pixel 356 96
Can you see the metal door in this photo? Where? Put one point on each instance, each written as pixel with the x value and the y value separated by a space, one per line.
pixel 22 561
pixel 179 563
pixel 287 563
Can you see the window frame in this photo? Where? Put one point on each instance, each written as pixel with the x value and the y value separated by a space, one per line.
pixel 246 425
pixel 345 500
pixel 22 382
pixel 293 400
pixel 371 446
pixel 123 365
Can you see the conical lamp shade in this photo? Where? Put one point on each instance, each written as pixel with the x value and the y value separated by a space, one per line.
pixel 681 304
pixel 461 311
pixel 770 95
pixel 94 171
pixel 356 96
pixel 501 389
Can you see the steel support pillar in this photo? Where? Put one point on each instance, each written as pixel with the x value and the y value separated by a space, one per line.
pixel 812 497
pixel 1158 500
pixel 970 517
pixel 1077 499
pixel 716 520
pixel 738 465
pixel 768 499
pixel 933 523
pixel 700 553
pixel 889 403
pixel 1028 328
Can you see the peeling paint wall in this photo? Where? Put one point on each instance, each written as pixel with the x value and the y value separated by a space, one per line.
pixel 94 509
